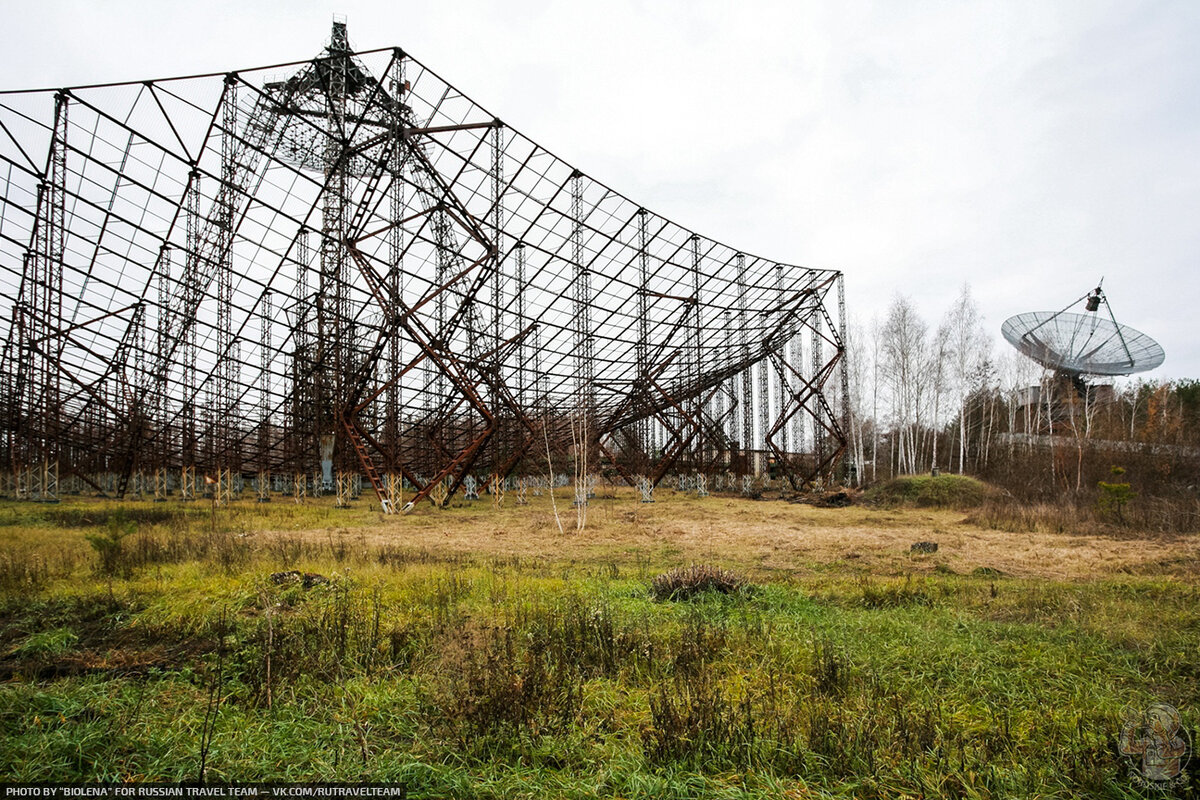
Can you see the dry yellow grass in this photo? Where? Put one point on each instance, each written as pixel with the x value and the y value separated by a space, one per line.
pixel 771 536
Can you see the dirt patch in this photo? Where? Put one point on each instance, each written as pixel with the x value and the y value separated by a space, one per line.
pixel 111 663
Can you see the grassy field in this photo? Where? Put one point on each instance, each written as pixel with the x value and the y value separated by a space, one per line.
pixel 474 652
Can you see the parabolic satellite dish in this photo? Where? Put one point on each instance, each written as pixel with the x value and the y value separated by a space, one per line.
pixel 1083 344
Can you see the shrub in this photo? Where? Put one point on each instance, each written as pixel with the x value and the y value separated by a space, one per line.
pixel 683 583
pixel 941 491
pixel 108 545
pixel 489 681
pixel 1115 496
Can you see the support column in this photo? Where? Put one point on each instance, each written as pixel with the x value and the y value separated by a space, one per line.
pixel 730 408
pixel 163 347
pixel 393 397
pixel 764 420
pixel 818 364
pixel 264 398
pixel 781 377
pixel 302 407
pixel 584 349
pixel 333 298
pixel 699 442
pixel 644 427
pixel 502 443
pixel 747 395
pixel 222 409
pixel 845 360
pixel 796 360
pixel 43 322
pixel 188 383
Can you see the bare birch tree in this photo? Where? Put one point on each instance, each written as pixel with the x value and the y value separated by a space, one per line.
pixel 968 346
pixel 905 352
pixel 859 364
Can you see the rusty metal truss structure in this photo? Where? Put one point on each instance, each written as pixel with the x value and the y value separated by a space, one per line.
pixel 339 272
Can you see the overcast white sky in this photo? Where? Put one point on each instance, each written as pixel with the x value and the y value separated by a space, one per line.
pixel 1027 148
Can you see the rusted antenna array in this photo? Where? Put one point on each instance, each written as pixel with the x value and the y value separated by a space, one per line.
pixel 345 275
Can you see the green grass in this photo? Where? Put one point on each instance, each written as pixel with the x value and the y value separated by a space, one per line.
pixel 483 675
pixel 46 644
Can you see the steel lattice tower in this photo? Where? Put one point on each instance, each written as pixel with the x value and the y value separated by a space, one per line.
pixel 356 272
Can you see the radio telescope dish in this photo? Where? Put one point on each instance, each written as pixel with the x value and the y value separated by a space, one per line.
pixel 1083 344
